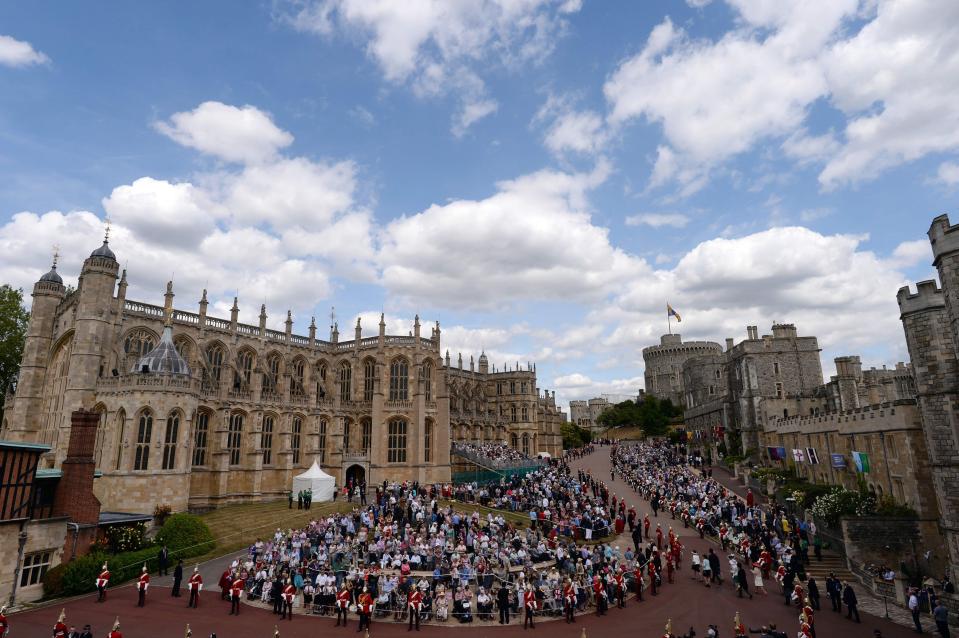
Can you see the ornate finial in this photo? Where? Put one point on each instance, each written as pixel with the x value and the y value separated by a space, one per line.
pixel 382 318
pixel 289 315
pixel 203 298
pixel 357 322
pixel 262 309
pixel 332 316
pixel 583 633
pixel 736 622
pixel 235 306
pixel 56 256
pixel 313 322
pixel 106 230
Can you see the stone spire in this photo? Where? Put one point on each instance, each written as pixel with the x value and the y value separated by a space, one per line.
pixel 289 322
pixel 168 304
pixel 416 327
pixel 358 331
pixel 382 324
pixel 234 312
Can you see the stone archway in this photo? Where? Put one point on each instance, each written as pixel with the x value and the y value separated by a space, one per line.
pixel 355 475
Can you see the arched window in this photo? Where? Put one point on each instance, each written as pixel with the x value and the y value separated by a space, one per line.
pixel 296 438
pixel 399 380
pixel 396 441
pixel 271 376
pixel 214 366
pixel 170 440
pixel 244 370
pixel 428 441
pixel 297 378
pixel 121 430
pixel 200 437
pixel 184 347
pixel 266 439
pixel 428 380
pixel 369 374
pixel 512 413
pixel 525 413
pixel 234 438
pixel 321 442
pixel 141 461
pixel 367 435
pixel 526 444
pixel 513 441
pixel 346 381
pixel 138 343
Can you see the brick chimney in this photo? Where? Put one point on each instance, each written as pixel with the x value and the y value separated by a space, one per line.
pixel 74 496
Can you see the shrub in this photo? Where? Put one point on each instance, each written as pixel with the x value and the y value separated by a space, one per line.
pixel 76 577
pixel 840 502
pixel 185 535
pixel 161 513
pixel 125 538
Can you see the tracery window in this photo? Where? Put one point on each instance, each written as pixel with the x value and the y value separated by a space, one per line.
pixel 141 461
pixel 428 380
pixel 244 369
pixel 296 439
pixel 428 441
pixel 266 439
pixel 170 439
pixel 396 441
pixel 346 382
pixel 296 378
pixel 321 443
pixel 399 380
pixel 369 376
pixel 200 438
pixel 367 435
pixel 234 438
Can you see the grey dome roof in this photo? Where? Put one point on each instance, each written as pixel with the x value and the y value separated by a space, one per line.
pixel 104 251
pixel 163 359
pixel 53 276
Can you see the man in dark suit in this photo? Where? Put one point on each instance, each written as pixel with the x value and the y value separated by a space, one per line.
pixel 502 601
pixel 177 577
pixel 849 597
pixel 834 591
pixel 164 560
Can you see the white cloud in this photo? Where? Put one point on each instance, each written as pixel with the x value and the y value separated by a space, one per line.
pixel 658 220
pixel 948 173
pixel 807 148
pixel 235 134
pixel 440 47
pixel 911 253
pixel 576 131
pixel 159 211
pixel 16 53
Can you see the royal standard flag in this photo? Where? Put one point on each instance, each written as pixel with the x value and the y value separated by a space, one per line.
pixel 861 460
pixel 672 313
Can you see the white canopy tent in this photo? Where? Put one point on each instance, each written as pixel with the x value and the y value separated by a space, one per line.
pixel 317 480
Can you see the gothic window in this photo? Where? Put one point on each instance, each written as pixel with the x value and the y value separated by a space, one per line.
pixel 525 413
pixel 121 427
pixel 346 381
pixel 170 439
pixel 183 347
pixel 321 443
pixel 346 434
pixel 779 391
pixel 396 441
pixel 296 438
pixel 244 370
pixel 266 439
pixel 513 440
pixel 214 362
pixel 272 374
pixel 297 378
pixel 234 437
pixel 367 435
pixel 200 438
pixel 399 380
pixel 512 413
pixel 138 343
pixel 144 434
pixel 524 387
pixel 499 387
pixel 526 444
pixel 428 441
pixel 369 374
pixel 428 380
pixel 322 372
pixel 512 387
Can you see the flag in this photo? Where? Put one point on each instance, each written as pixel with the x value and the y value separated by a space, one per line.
pixel 798 455
pixel 672 313
pixel 861 459
pixel 812 456
pixel 838 461
pixel 776 453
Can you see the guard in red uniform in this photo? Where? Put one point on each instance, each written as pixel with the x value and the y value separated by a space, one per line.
pixel 115 632
pixel 599 593
pixel 289 593
pixel 659 537
pixel 807 612
pixel 529 606
pixel 195 585
pixel 143 583
pixel 342 604
pixel 60 629
pixel 414 600
pixel 652 576
pixel 103 580
pixel 236 591
pixel 569 601
pixel 638 581
pixel 4 623
pixel 620 581
pixel 364 605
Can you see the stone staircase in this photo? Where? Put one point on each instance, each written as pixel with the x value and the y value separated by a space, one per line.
pixel 831 563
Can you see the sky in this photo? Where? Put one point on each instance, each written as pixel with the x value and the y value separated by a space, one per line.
pixel 539 176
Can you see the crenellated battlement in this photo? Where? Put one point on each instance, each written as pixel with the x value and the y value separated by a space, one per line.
pixel 943 236
pixel 928 296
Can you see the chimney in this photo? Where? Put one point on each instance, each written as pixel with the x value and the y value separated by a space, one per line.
pixel 74 496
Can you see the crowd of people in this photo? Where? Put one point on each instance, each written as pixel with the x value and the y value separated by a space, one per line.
pixel 494 454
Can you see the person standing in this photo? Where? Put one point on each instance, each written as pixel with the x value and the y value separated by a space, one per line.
pixel 813 592
pixel 569 601
pixel 177 579
pixel 914 609
pixel 289 593
pixel 342 604
pixel 715 564
pixel 502 601
pixel 529 606
pixel 86 633
pixel 742 581
pixel 143 583
pixel 236 591
pixel 103 580
pixel 4 623
pixel 414 601
pixel 195 585
pixel 834 591
pixel 163 560
pixel 852 603
pixel 226 579
pixel 364 606
pixel 941 615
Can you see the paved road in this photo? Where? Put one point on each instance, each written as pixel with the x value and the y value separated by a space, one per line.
pixel 686 602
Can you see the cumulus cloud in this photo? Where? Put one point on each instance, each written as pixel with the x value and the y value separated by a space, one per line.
pixel 658 220
pixel 948 173
pixel 440 47
pixel 571 130
pixel 235 134
pixel 17 53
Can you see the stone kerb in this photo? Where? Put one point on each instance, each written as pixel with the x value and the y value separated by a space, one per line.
pixel 928 296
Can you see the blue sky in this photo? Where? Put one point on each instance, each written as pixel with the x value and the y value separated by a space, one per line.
pixel 539 175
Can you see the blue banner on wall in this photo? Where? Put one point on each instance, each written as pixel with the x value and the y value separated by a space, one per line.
pixel 838 461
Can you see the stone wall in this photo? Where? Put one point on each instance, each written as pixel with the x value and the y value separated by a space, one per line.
pixel 41 536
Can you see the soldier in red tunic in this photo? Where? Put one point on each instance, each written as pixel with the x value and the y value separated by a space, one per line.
pixel 638 581
pixel 620 580
pixel 599 592
pixel 115 632
pixel 569 601
pixel 807 612
pixel 289 593
pixel 414 600
pixel 4 623
pixel 103 580
pixel 60 629
pixel 529 606
pixel 143 583
pixel 236 591
pixel 342 604
pixel 195 584
pixel 364 605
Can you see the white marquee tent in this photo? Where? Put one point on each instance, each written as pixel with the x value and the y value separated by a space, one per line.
pixel 317 480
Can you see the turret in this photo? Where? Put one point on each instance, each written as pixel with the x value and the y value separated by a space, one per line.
pixel 483 363
pixel 289 324
pixel 416 328
pixel 312 330
pixel 262 320
pixel 848 378
pixel 168 300
pixel 234 315
pixel 447 358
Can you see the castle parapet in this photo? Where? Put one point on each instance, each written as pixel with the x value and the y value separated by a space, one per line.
pixel 928 296
pixel 943 236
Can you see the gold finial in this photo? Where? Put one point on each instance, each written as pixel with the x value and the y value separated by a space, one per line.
pixel 106 231
pixel 736 622
pixel 367 634
pixel 583 633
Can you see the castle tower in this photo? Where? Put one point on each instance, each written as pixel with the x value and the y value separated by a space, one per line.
pixel 25 417
pixel 848 377
pixel 484 364
pixel 930 337
pixel 93 328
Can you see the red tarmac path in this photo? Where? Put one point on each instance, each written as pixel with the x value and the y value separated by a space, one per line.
pixel 688 603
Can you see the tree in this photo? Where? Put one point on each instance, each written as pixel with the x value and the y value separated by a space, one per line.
pixel 574 436
pixel 13 330
pixel 652 415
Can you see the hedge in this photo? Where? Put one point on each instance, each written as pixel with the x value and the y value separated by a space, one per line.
pixel 185 536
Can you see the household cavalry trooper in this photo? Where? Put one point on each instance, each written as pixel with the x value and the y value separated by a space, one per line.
pixel 195 584
pixel 60 629
pixel 115 632
pixel 529 606
pixel 236 590
pixel 103 580
pixel 143 583
pixel 342 604
pixel 4 623
pixel 365 607
pixel 414 600
pixel 620 581
pixel 289 592
pixel 569 601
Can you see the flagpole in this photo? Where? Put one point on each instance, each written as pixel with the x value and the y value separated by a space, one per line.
pixel 669 323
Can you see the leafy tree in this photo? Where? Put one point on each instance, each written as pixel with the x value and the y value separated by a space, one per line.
pixel 574 436
pixel 652 415
pixel 13 330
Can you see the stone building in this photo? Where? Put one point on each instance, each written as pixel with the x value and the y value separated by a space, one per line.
pixel 197 411
pixel 584 413
pixel 664 365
